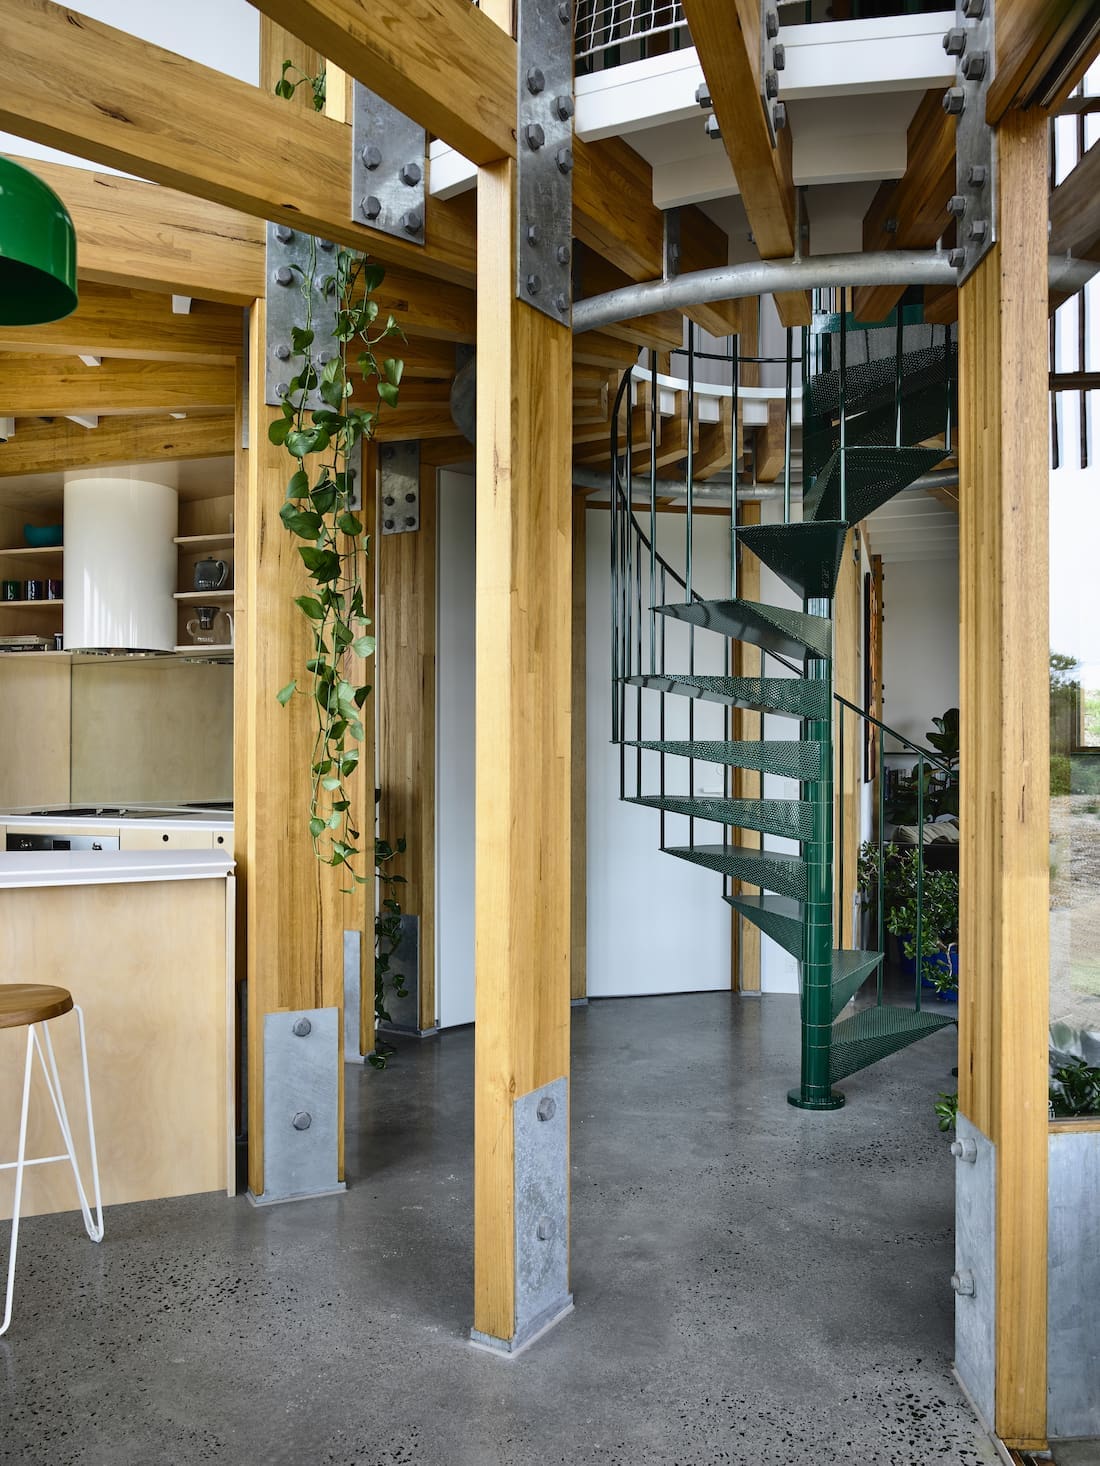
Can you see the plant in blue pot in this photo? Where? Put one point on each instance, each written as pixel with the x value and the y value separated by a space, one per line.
pixel 929 905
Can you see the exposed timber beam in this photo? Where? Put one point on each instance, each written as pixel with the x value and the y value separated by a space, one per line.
pixel 911 213
pixel 70 82
pixel 60 445
pixel 139 325
pixel 727 38
pixel 1075 208
pixel 50 386
pixel 442 62
pixel 1044 48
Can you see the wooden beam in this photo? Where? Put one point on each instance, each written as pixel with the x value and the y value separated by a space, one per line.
pixel 441 62
pixel 73 83
pixel 139 325
pixel 705 246
pixel 717 451
pixel 771 449
pixel 1044 48
pixel 423 411
pixel 596 348
pixel 941 304
pixel 60 445
pixel 613 209
pixel 727 38
pixel 1004 652
pixel 912 212
pixel 425 307
pixel 1075 208
pixel 294 921
pixel 522 800
pixel 134 234
pixel 595 276
pixel 51 386
pixel 406 720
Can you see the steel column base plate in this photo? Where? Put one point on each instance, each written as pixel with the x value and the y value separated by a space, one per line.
pixel 833 1101
pixel 526 1336
pixel 254 1200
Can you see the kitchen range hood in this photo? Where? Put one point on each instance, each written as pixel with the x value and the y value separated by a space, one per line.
pixel 120 560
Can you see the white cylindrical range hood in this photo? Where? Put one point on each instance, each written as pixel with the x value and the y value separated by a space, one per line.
pixel 120 559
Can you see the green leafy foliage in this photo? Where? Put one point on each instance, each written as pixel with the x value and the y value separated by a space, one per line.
pixel 387 939
pixel 1075 1089
pixel 935 893
pixel 947 1110
pixel 318 512
pixel 286 88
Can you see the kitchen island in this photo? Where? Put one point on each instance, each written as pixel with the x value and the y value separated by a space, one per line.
pixel 144 941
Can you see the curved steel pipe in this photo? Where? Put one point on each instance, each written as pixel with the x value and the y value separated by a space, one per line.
pixel 763 277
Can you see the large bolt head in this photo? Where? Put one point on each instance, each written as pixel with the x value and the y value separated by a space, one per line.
pixel 533 235
pixel 561 304
pixel 284 275
pixel 711 128
pixel 328 245
pixel 974 66
pixel 974 9
pixel 956 258
pixel 771 85
pixel 891 226
pixel 302 1120
pixel 954 42
pixel 545 1228
pixel 954 101
pixel 302 1027
pixel 282 351
pixel 965 1150
pixel 534 284
pixel 963 1283
pixel 702 95
pixel 536 80
pixel 979 229
pixel 565 160
pixel 956 205
pixel 562 254
pixel 372 157
pixel 412 222
pixel 283 233
pixel 565 12
pixel 976 175
pixel 370 207
pixel 779 56
pixel 771 24
pixel 534 136
pixel 547 1107
pixel 779 116
pixel 563 108
pixel 411 173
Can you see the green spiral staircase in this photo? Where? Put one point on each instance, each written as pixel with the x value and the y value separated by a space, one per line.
pixel 867 409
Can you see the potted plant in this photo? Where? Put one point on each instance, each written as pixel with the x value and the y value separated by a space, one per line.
pixel 941 785
pixel 939 922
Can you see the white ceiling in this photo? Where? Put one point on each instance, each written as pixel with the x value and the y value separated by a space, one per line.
pixel 914 526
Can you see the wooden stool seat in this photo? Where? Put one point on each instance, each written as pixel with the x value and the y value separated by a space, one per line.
pixel 22 1003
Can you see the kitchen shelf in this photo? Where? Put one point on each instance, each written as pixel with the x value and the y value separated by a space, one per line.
pixel 30 605
pixel 198 649
pixel 28 552
pixel 225 594
pixel 203 541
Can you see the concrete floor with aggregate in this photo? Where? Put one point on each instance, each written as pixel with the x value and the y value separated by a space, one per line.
pixel 754 1284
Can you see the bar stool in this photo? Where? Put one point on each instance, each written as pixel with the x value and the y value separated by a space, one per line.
pixel 32 1006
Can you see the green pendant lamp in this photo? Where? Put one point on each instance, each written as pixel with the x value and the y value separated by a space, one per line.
pixel 37 251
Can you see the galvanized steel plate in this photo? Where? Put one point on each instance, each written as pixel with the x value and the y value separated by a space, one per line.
pixel 975 141
pixel 388 165
pixel 293 257
pixel 302 1054
pixel 399 478
pixel 544 156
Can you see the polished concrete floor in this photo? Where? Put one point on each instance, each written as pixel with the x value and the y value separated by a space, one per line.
pixel 754 1285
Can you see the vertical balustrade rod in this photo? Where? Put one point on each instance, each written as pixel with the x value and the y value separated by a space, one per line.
pixel 845 916
pixel 690 540
pixel 735 554
pixel 653 406
pixel 899 344
pixel 661 734
pixel 842 394
pixel 880 917
pixel 920 877
pixel 616 729
pixel 787 430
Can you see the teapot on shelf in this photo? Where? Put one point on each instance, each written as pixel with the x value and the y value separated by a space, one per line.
pixel 211 574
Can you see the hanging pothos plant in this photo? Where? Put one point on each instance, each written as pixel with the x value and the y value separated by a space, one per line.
pixel 320 512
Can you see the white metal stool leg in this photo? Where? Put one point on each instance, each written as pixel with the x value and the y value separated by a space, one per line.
pixel 44 1046
pixel 19 1165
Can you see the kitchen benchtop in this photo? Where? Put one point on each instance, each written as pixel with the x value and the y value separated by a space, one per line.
pixel 21 869
pixel 160 817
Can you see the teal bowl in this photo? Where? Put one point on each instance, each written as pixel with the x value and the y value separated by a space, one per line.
pixel 42 536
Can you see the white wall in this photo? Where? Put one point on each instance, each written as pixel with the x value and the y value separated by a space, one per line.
pixel 454 828
pixel 920 643
pixel 223 34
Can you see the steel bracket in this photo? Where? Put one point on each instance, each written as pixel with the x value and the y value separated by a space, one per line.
pixel 540 1133
pixel 772 62
pixel 301 1089
pixel 672 243
pixel 388 167
pixel 291 257
pixel 974 204
pixel 544 162
pixel 399 479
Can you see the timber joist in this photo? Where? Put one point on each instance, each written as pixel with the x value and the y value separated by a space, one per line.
pixel 62 444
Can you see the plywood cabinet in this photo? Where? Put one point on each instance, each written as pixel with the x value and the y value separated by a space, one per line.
pixel 146 837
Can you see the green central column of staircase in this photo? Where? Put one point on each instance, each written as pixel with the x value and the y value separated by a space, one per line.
pixel 814 1092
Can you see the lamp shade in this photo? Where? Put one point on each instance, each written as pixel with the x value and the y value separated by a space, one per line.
pixel 37 251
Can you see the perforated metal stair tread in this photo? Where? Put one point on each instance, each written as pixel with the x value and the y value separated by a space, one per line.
pixel 772 869
pixel 924 414
pixel 774 628
pixel 804 556
pixel 873 1033
pixel 778 917
pixel 792 818
pixel 872 478
pixel 789 695
pixel 851 970
pixel 791 758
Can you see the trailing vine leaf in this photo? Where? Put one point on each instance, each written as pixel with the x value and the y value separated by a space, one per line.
pixel 318 512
